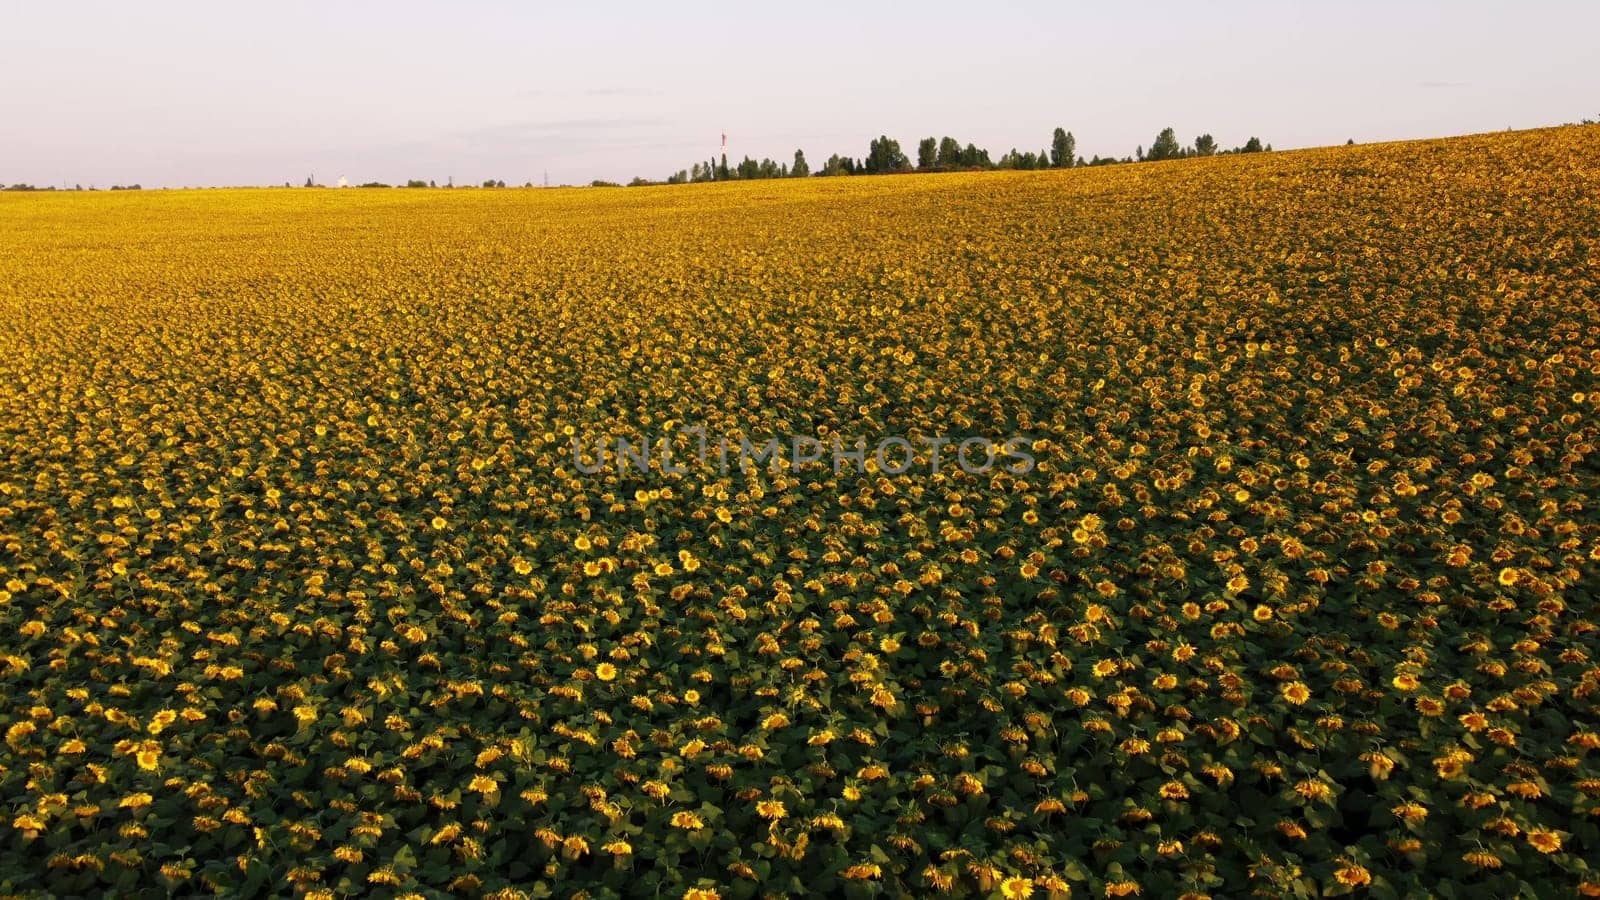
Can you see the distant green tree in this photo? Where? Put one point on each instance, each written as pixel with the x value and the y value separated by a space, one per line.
pixel 949 153
pixel 1205 145
pixel 884 156
pixel 927 153
pixel 838 165
pixel 1017 159
pixel 1063 149
pixel 1165 147
pixel 800 169
pixel 1251 146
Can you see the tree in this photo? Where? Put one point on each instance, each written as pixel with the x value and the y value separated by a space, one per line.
pixel 838 165
pixel 1251 146
pixel 1205 145
pixel 1165 147
pixel 884 156
pixel 949 153
pixel 1063 149
pixel 800 169
pixel 927 153
pixel 1017 159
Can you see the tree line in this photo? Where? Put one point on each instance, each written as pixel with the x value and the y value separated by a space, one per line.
pixel 77 187
pixel 884 157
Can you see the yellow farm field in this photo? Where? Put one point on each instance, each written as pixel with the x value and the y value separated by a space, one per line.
pixel 302 589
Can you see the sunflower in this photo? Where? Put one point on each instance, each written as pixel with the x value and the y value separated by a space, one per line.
pixel 687 820
pixel 1482 859
pixel 1016 888
pixel 1312 789
pixel 1353 875
pixel 1544 840
pixel 1411 811
pixel 148 759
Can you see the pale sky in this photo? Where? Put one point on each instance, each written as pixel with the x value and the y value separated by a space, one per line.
pixel 191 93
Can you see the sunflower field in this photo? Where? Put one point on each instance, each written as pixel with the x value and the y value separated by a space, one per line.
pixel 302 592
